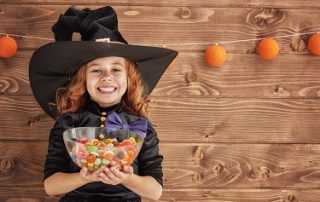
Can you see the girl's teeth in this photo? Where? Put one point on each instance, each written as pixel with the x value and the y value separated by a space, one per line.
pixel 107 90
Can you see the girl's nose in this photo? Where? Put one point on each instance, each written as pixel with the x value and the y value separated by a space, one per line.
pixel 106 77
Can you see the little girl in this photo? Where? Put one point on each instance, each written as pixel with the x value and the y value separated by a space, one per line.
pixel 92 78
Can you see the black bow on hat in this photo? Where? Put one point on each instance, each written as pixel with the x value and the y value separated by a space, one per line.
pixel 52 65
pixel 91 24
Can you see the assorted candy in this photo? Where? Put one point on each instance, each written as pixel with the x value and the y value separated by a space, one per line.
pixel 108 152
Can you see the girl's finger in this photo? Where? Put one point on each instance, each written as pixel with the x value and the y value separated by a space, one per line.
pixel 117 173
pixel 127 169
pixel 110 173
pixel 104 178
pixel 84 171
pixel 100 170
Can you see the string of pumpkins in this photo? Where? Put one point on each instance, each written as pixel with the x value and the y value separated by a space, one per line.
pixel 215 55
pixel 267 48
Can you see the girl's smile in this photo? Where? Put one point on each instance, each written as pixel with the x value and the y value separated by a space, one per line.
pixel 107 80
pixel 106 89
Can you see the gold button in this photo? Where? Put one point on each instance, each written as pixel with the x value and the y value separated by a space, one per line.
pixel 101 136
pixel 104 113
pixel 102 125
pixel 103 118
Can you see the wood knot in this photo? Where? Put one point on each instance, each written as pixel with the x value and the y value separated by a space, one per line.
pixel 190 77
pixel 209 135
pixel 209 193
pixel 289 197
pixel 33 120
pixel 6 165
pixel 217 168
pixel 297 44
pixel 9 86
pixel 264 17
pixel 4 85
pixel 199 154
pixel 279 91
pixel 253 174
pixel 197 177
pixel 185 13
pixel 263 173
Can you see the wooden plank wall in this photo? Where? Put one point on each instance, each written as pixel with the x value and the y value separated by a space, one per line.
pixel 248 131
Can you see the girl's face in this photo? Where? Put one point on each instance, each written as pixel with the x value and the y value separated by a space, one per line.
pixel 106 80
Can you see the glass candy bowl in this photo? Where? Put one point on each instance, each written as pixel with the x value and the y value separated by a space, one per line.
pixel 93 147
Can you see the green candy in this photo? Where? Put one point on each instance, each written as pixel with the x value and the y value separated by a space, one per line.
pixel 97 162
pixel 96 166
pixel 105 162
pixel 92 149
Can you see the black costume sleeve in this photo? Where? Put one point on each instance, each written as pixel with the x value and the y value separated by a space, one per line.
pixel 57 159
pixel 149 158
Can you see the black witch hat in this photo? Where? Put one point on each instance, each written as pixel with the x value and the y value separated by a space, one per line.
pixel 53 65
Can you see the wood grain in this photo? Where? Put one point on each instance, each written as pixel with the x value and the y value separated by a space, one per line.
pixel 14 74
pixel 22 119
pixel 236 120
pixel 247 131
pixel 191 120
pixel 208 195
pixel 242 167
pixel 313 4
pixel 240 195
pixel 200 26
pixel 242 76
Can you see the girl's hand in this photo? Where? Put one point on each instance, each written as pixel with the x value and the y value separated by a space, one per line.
pixel 91 176
pixel 114 176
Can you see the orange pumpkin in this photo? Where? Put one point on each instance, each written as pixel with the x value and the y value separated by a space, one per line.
pixel 314 44
pixel 215 55
pixel 268 48
pixel 8 47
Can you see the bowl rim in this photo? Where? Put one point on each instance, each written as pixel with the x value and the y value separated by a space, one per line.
pixel 65 132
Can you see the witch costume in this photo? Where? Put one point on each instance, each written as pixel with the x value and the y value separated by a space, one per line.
pixel 54 65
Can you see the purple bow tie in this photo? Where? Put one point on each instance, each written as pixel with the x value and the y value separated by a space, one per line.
pixel 113 122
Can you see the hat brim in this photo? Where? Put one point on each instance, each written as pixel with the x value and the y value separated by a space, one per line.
pixel 53 65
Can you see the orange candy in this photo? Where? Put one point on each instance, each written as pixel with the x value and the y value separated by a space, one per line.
pixel 268 48
pixel 8 47
pixel 91 158
pixel 130 156
pixel 314 44
pixel 108 155
pixel 215 55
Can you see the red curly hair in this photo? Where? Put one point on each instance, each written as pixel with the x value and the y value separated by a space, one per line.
pixel 73 97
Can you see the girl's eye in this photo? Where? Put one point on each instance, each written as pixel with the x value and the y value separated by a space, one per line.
pixel 116 69
pixel 96 71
